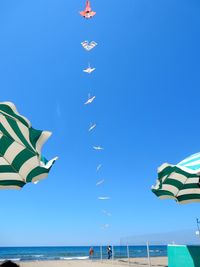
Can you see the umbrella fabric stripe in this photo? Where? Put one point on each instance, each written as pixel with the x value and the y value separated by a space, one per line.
pixel 180 185
pixel 191 180
pixel 7 169
pixel 174 183
pixel 189 191
pixel 11 187
pixel 34 136
pixel 188 197
pixel 11 110
pixel 189 171
pixel 25 132
pixel 11 133
pixel 178 177
pixel 17 131
pixel 10 176
pixel 4 144
pixel 162 193
pixel 190 159
pixel 40 177
pixel 191 186
pixel 41 140
pixel 12 183
pixel 191 163
pixel 28 165
pixel 194 166
pixel 170 188
pixel 21 158
pixel 12 151
pixel 4 131
pixel 163 167
pixel 171 169
pixel 188 201
pixel 37 172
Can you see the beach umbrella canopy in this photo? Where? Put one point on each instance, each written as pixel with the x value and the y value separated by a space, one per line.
pixel 180 182
pixel 21 161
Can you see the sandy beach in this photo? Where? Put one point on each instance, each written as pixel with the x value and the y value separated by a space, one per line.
pixel 155 262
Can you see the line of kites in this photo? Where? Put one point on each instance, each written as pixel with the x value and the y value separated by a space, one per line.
pixel 180 182
pixel 88 46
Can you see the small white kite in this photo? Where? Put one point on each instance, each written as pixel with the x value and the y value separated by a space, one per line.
pixel 103 198
pixel 107 213
pixel 105 226
pixel 92 126
pixel 89 70
pixel 90 100
pixel 100 182
pixel 99 167
pixel 98 148
pixel 88 45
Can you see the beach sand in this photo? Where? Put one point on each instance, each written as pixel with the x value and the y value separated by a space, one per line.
pixel 134 262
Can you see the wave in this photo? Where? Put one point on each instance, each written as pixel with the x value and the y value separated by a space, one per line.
pixel 11 259
pixel 75 258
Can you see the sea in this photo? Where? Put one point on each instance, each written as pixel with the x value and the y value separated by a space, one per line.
pixel 77 252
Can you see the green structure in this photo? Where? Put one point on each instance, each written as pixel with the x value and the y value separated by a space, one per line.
pixel 183 256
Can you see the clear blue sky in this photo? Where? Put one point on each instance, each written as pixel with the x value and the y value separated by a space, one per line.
pixel 147 111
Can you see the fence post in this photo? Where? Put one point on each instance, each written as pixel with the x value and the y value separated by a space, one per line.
pixel 128 255
pixel 101 252
pixel 112 253
pixel 148 254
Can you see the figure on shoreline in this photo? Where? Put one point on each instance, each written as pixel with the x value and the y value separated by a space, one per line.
pixel 109 251
pixel 91 252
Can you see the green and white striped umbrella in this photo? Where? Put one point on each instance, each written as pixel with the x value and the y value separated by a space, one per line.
pixel 180 182
pixel 21 161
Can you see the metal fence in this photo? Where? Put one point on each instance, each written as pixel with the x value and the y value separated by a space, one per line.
pixel 151 249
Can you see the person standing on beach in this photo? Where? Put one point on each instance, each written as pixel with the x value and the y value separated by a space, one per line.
pixel 91 252
pixel 109 251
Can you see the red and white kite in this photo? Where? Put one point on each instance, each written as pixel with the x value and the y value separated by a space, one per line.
pixel 87 13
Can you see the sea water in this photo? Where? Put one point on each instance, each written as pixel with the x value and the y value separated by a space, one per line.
pixel 76 252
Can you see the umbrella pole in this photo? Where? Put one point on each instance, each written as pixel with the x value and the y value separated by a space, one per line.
pixel 198 224
pixel 198 227
pixel 148 254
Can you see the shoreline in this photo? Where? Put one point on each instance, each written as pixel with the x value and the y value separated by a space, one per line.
pixel 134 262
